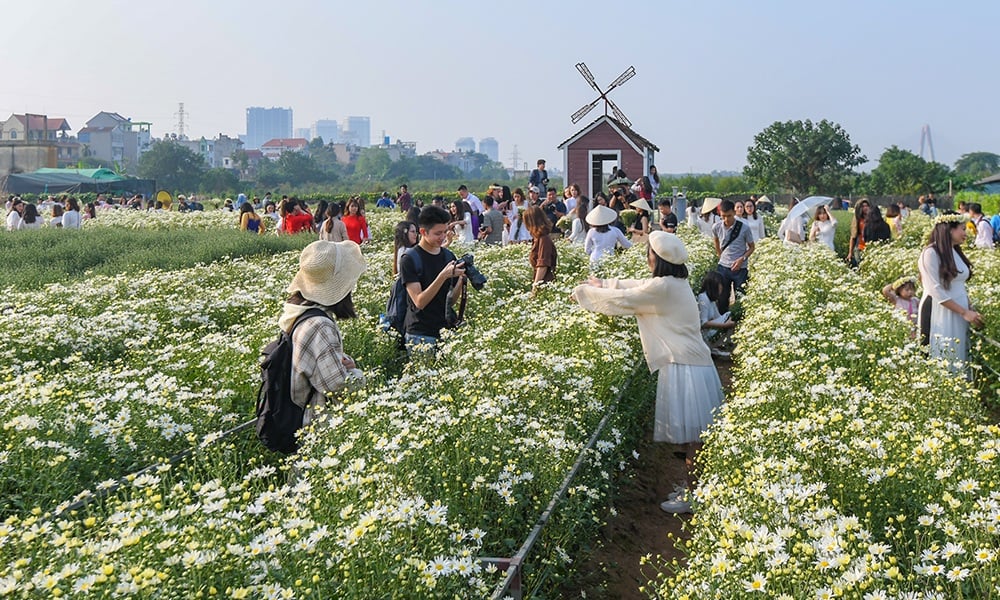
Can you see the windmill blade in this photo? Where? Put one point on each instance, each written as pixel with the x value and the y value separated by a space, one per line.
pixel 628 74
pixel 619 114
pixel 582 68
pixel 583 111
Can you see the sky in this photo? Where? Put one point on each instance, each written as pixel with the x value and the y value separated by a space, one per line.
pixel 710 75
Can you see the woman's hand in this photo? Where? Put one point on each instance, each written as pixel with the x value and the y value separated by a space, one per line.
pixel 974 318
pixel 348 362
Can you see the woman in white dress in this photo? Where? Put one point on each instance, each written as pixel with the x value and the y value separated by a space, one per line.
pixel 461 225
pixel 688 389
pixel 71 218
pixel 518 233
pixel 823 228
pixel 578 233
pixel 753 219
pixel 602 238
pixel 945 313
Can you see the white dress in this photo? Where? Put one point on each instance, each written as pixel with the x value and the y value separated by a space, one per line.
pixel 688 389
pixel 823 232
pixel 577 234
pixel 949 332
pixel 463 230
pixel 756 227
pixel 599 244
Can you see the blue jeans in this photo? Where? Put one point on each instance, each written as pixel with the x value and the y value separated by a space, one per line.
pixel 731 280
pixel 420 344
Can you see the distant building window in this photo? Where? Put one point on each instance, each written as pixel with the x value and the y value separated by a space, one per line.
pixel 13 135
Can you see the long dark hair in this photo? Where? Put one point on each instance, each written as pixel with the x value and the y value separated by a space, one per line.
pixel 332 212
pixel 30 214
pixel 712 285
pixel 536 222
pixel 858 214
pixel 876 229
pixel 582 208
pixel 663 268
pixel 942 244
pixel 459 209
pixel 321 211
pixel 400 239
pixel 343 309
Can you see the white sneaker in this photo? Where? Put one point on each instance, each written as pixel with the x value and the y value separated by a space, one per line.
pixel 676 506
pixel 720 353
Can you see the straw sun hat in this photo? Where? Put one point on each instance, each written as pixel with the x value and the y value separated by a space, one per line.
pixel 601 215
pixel 641 204
pixel 328 271
pixel 710 205
pixel 668 246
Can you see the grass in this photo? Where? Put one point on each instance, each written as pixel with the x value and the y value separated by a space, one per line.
pixel 35 258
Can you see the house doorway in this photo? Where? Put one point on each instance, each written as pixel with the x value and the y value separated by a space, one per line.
pixel 601 164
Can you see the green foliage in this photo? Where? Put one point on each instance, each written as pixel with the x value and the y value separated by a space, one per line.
pixel 989 202
pixel 373 164
pixel 901 172
pixel 173 166
pixel 292 168
pixel 60 256
pixel 978 164
pixel 710 183
pixel 219 181
pixel 803 157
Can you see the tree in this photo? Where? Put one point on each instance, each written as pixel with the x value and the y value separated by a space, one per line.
pixel 173 166
pixel 292 168
pixel 903 172
pixel 373 164
pixel 219 180
pixel 978 164
pixel 316 144
pixel 422 167
pixel 803 157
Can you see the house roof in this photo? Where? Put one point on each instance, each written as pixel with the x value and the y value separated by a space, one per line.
pixel 628 133
pixel 990 179
pixel 37 122
pixel 286 143
pixel 252 154
pixel 96 129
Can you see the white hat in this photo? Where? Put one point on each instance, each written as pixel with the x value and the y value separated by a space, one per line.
pixel 668 246
pixel 710 204
pixel 328 271
pixel 535 189
pixel 601 215
pixel 641 203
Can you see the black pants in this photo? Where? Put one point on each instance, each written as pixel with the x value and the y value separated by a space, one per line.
pixel 731 280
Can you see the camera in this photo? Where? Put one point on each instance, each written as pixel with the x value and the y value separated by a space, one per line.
pixel 477 279
pixel 483 227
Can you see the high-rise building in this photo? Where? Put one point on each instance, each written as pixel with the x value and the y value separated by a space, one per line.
pixel 357 131
pixel 328 129
pixel 465 144
pixel 265 124
pixel 490 147
pixel 304 133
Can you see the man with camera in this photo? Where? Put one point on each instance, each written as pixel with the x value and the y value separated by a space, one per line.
pixel 491 228
pixel 428 280
pixel 554 208
pixel 539 177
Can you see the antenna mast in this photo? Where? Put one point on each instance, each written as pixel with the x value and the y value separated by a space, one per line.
pixel 180 120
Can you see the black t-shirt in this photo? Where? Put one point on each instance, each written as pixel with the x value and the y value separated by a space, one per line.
pixel 430 320
pixel 668 222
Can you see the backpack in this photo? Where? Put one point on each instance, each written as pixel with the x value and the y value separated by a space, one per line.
pixel 278 418
pixel 995 224
pixel 395 308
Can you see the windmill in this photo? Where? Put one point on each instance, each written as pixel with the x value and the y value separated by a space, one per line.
pixel 619 115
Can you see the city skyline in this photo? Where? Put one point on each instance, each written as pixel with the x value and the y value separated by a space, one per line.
pixel 709 77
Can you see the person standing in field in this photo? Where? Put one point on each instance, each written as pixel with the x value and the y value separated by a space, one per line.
pixel 332 229
pixel 688 388
pixel 543 250
pixel 539 177
pixel 945 310
pixel 733 245
pixel 354 220
pixel 404 200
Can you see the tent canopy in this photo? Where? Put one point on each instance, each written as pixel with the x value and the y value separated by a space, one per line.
pixel 101 174
pixel 60 181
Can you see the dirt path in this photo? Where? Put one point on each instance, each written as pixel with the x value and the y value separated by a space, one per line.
pixel 640 528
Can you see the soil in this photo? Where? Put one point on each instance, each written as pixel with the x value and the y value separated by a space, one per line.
pixel 640 528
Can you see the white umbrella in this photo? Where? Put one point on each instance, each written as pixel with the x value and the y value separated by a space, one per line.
pixel 806 208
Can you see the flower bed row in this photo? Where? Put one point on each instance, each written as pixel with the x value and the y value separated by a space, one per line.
pixel 845 463
pixel 396 493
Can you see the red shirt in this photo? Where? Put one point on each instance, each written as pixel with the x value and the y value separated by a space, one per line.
pixel 298 223
pixel 357 227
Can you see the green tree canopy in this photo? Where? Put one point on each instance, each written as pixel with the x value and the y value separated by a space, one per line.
pixel 173 166
pixel 802 156
pixel 978 164
pixel 219 181
pixel 422 167
pixel 373 164
pixel 903 172
pixel 292 168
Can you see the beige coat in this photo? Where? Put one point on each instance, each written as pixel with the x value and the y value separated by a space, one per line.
pixel 667 313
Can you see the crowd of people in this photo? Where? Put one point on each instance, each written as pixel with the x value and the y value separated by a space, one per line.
pixel 66 213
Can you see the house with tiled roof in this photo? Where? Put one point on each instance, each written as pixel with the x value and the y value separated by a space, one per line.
pixel 278 146
pixel 111 137
pixel 33 128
